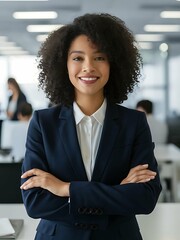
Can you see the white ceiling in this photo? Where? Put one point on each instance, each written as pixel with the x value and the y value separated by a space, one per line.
pixel 135 13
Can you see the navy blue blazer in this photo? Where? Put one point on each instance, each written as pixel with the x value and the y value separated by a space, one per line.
pixel 101 208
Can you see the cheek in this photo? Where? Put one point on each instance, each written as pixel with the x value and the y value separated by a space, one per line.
pixel 107 71
pixel 72 69
pixel 70 77
pixel 72 72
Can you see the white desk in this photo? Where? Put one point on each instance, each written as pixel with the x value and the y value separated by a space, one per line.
pixel 161 224
pixel 17 211
pixel 169 153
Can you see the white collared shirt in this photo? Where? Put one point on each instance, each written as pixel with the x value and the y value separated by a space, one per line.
pixel 89 130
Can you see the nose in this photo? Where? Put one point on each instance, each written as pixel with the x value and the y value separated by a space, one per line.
pixel 88 66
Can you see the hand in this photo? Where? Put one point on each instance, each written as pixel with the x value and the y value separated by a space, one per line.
pixel 45 180
pixel 139 174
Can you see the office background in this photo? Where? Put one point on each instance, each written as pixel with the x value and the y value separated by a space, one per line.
pixel 160 47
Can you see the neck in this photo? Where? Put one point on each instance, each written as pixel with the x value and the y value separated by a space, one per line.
pixel 90 106
pixel 24 118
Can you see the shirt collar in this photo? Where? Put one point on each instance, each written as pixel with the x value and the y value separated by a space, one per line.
pixel 99 115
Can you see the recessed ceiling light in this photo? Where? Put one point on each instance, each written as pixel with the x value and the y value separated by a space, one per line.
pixel 14 52
pixel 145 45
pixel 170 14
pixel 163 47
pixel 8 44
pixel 149 37
pixel 42 28
pixel 162 28
pixel 35 15
pixel 24 0
pixel 10 48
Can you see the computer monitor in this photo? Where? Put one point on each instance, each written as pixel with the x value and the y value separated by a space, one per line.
pixel 10 181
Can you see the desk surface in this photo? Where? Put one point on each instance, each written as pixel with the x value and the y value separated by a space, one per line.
pixel 161 224
pixel 167 152
pixel 17 211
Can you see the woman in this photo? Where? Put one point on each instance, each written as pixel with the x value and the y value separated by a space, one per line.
pixel 15 99
pixel 89 166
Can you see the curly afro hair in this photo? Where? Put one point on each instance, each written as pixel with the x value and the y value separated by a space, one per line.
pixel 111 36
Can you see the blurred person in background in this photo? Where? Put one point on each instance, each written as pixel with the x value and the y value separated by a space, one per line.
pixel 159 129
pixel 17 97
pixel 24 112
pixel 19 132
pixel 14 133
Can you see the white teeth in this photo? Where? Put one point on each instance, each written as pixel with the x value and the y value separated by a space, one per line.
pixel 88 78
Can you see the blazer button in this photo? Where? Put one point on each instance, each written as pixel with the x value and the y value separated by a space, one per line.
pixel 95 211
pixel 77 225
pixel 93 226
pixel 81 210
pixel 89 211
pixel 99 211
pixel 81 225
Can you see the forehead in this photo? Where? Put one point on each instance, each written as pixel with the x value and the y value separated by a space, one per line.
pixel 82 41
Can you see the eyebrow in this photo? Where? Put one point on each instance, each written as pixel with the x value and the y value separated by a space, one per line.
pixel 81 52
pixel 76 52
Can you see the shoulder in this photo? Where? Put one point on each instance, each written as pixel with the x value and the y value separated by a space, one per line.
pixel 47 120
pixel 127 118
pixel 123 111
pixel 47 113
pixel 22 96
pixel 51 114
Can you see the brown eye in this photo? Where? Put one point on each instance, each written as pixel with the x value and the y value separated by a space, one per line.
pixel 100 58
pixel 77 59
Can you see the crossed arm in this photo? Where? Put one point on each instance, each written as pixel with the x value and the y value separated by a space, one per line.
pixel 45 180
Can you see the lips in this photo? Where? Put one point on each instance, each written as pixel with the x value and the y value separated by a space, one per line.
pixel 88 80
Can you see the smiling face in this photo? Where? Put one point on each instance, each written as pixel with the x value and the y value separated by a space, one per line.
pixel 88 68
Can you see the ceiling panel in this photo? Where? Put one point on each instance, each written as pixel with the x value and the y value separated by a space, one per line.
pixel 135 13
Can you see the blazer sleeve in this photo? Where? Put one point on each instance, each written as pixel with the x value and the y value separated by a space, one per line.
pixel 39 202
pixel 128 199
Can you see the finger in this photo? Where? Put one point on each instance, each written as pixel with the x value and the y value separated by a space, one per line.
pixel 146 180
pixel 140 167
pixel 28 186
pixel 140 174
pixel 30 183
pixel 32 172
pixel 145 172
pixel 142 178
pixel 25 186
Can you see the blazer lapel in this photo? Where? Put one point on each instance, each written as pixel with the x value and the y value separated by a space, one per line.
pixel 109 134
pixel 69 138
